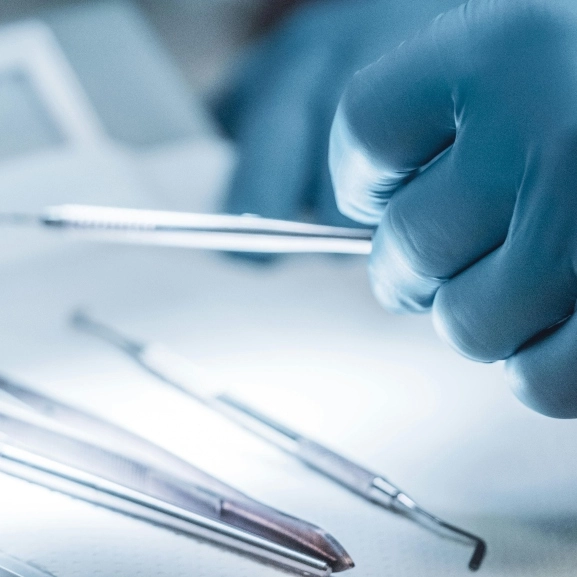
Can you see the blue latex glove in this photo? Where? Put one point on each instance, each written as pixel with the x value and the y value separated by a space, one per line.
pixel 279 109
pixel 486 234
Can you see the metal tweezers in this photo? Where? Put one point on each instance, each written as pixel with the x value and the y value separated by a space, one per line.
pixel 244 233
pixel 71 451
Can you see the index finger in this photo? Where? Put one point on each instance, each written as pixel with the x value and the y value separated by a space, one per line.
pixel 394 118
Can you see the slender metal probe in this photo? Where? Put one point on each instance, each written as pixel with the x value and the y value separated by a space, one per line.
pixel 238 233
pixel 188 378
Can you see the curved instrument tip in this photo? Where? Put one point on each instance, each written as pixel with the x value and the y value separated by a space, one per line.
pixel 478 554
pixel 341 560
pixel 343 564
pixel 407 506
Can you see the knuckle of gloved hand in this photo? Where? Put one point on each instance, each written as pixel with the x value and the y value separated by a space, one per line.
pixel 398 130
pixel 359 183
pixel 349 204
pixel 355 201
pixel 395 267
pixel 396 291
pixel 542 387
pixel 375 138
pixel 462 321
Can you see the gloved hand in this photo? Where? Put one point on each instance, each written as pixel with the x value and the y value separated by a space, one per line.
pixel 280 108
pixel 461 144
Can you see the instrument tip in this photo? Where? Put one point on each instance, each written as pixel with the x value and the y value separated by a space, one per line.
pixel 478 555
pixel 405 505
pixel 343 564
pixel 341 560
pixel 288 531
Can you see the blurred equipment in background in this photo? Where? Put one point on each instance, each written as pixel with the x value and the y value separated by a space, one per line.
pixel 92 109
pixel 184 376
pixel 68 450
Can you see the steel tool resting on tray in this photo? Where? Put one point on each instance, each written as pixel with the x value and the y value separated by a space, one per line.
pixel 63 448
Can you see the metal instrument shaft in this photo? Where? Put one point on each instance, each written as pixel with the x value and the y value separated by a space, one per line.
pixel 242 233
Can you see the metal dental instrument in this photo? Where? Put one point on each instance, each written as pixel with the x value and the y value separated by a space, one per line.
pixel 51 444
pixel 231 507
pixel 246 233
pixel 12 567
pixel 189 379
pixel 93 489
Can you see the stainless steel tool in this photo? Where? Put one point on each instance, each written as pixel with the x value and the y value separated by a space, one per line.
pixel 188 378
pixel 245 233
pixel 58 446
